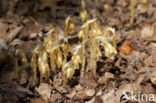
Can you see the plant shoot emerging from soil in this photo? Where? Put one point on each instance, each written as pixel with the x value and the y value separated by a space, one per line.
pixel 91 37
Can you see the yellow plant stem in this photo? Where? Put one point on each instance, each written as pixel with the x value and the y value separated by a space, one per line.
pixel 97 2
pixel 43 65
pixel 144 2
pixel 93 48
pixel 24 59
pixel 16 67
pixel 83 60
pixel 52 60
pixel 84 38
pixel 132 3
pixel 65 48
pixel 93 65
pixel 34 66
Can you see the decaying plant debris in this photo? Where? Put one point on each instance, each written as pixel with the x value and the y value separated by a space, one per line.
pixel 69 51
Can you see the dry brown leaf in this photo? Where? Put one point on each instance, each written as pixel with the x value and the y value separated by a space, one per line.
pixel 24 76
pixel 85 94
pixel 36 100
pixel 58 84
pixel 126 48
pixel 45 91
pixel 56 98
pixel 52 4
pixel 107 76
pixel 98 100
pixel 74 91
pixel 88 80
pixel 91 100
pixel 3 30
pixel 153 77
pixel 115 96
pixel 14 33
pixel 151 61
pixel 149 33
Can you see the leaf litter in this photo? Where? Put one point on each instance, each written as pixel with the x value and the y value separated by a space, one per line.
pixel 85 77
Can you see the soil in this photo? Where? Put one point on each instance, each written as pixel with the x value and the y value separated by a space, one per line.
pixel 24 24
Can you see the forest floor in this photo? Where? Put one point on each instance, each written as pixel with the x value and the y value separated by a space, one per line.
pixel 131 72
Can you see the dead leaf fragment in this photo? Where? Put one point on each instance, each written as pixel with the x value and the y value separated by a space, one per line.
pixel 105 78
pixel 89 80
pixel 86 94
pixel 3 52
pixel 126 48
pixel 114 96
pixel 90 92
pixel 3 30
pixel 14 33
pixel 151 61
pixel 58 84
pixel 153 77
pixel 74 91
pixel 24 76
pixel 148 33
pixel 56 98
pixel 36 100
pixel 45 91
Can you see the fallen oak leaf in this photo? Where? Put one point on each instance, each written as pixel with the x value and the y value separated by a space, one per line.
pixel 126 48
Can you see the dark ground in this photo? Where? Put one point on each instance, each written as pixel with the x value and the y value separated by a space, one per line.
pixel 132 70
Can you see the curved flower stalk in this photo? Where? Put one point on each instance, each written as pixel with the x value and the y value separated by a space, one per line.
pixel 59 58
pixel 48 44
pixel 34 63
pixel 95 37
pixel 23 59
pixel 76 59
pixel 107 33
pixel 85 28
pixel 57 51
pixel 84 34
pixel 69 26
pixel 84 37
pixel 83 13
pixel 68 68
pixel 110 51
pixel 43 64
pixel 65 48
pixel 95 52
pixel 67 71
pixel 55 54
pixel 92 37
